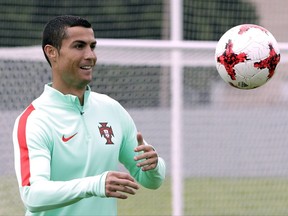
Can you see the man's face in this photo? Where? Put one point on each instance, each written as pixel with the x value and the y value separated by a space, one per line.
pixel 76 59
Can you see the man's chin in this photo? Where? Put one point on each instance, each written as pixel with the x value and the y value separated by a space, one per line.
pixel 84 83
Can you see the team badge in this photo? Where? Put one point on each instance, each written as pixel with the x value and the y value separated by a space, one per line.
pixel 106 132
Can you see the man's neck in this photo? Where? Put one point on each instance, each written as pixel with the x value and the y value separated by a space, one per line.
pixel 78 92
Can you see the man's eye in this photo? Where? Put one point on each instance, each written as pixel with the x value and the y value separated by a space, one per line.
pixel 79 46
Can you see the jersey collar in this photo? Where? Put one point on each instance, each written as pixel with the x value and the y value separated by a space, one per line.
pixel 60 98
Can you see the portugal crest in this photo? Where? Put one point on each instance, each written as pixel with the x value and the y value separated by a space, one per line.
pixel 106 132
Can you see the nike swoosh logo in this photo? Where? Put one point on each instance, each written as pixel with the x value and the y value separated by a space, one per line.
pixel 66 139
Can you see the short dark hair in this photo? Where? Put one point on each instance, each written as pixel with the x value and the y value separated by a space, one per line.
pixel 55 30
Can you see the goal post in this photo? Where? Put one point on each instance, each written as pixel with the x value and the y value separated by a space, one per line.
pixel 225 148
pixel 199 102
pixel 174 55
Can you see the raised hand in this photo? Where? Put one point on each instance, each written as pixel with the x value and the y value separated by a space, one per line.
pixel 148 160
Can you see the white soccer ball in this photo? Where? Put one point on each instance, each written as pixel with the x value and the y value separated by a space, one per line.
pixel 247 56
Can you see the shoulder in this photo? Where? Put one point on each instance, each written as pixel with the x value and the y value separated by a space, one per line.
pixel 109 105
pixel 31 124
pixel 103 99
pixel 34 116
pixel 31 116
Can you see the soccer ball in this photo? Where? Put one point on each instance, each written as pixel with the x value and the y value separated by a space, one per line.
pixel 247 56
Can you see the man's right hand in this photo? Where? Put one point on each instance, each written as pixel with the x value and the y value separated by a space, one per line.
pixel 119 184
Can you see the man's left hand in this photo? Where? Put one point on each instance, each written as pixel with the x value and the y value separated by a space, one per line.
pixel 149 156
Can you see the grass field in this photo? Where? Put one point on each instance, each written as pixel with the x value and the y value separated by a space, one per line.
pixel 203 197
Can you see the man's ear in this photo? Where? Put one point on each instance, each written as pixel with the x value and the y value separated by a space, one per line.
pixel 51 52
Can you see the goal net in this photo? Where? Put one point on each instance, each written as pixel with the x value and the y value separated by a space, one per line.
pixel 233 141
pixel 225 149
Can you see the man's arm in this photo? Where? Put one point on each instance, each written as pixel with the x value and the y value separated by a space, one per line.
pixel 139 158
pixel 150 162
pixel 32 140
pixel 32 153
pixel 43 195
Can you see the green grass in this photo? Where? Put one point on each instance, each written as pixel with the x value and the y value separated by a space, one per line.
pixel 147 202
pixel 236 197
pixel 10 203
pixel 203 197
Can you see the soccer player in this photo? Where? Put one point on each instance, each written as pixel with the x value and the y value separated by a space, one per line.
pixel 68 142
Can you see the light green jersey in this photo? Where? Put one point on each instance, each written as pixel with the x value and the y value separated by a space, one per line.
pixel 63 152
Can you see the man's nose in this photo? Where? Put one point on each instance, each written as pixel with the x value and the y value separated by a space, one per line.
pixel 91 55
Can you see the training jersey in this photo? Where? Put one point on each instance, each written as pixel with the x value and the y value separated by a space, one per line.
pixel 63 152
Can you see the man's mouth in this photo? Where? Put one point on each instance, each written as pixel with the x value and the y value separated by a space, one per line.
pixel 86 67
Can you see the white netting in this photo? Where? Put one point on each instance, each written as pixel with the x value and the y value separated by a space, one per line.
pixel 234 159
pixel 227 133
